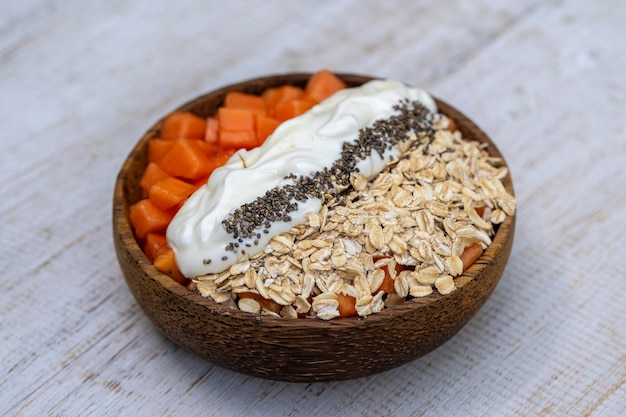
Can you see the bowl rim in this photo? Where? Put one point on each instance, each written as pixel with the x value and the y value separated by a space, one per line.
pixel 122 227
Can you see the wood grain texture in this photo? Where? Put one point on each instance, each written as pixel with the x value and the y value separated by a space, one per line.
pixel 82 80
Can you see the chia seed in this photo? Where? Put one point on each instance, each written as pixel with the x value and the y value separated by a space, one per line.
pixel 276 204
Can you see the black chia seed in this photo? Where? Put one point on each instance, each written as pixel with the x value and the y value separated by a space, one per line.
pixel 275 204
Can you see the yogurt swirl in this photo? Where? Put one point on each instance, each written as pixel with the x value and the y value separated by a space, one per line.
pixel 301 146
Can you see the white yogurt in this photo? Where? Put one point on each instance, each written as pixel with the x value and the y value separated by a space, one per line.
pixel 303 145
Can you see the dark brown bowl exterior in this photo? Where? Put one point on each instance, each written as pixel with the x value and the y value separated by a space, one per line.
pixel 304 350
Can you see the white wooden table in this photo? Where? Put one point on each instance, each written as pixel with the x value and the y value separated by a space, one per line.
pixel 81 81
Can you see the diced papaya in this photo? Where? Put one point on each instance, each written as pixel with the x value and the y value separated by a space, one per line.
pixel 222 156
pixel 238 139
pixel 146 218
pixel 187 159
pixel 154 241
pixel 151 175
pixel 471 254
pixel 322 85
pixel 265 126
pixel 164 261
pixel 157 148
pixel 388 285
pixel 289 109
pixel 183 125
pixel 276 95
pixel 170 192
pixel 218 159
pixel 212 130
pixel 209 148
pixel 243 101
pixel 347 305
pixel 235 119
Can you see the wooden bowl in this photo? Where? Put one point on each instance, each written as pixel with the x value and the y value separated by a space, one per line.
pixel 303 350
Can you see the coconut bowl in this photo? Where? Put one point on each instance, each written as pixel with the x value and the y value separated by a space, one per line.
pixel 303 350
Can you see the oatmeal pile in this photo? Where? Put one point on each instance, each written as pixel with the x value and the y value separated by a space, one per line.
pixel 420 212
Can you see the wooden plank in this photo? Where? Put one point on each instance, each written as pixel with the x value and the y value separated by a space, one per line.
pixel 81 82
